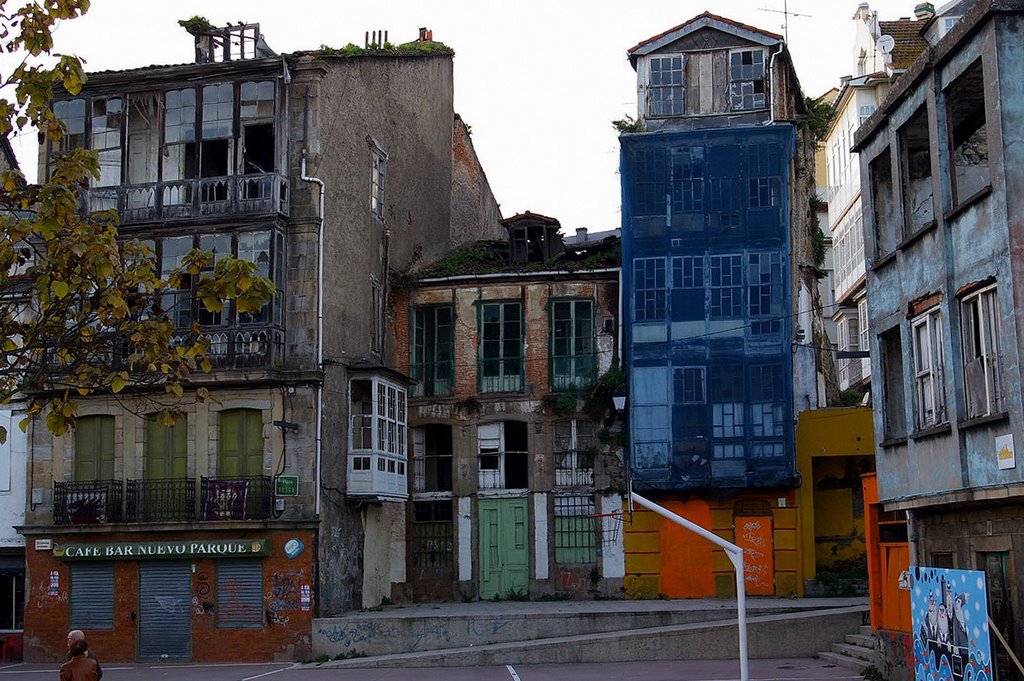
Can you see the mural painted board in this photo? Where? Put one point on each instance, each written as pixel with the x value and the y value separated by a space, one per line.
pixel 950 625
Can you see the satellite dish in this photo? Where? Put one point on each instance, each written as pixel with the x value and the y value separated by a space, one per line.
pixel 886 43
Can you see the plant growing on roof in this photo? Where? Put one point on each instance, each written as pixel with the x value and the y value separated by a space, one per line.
pixel 197 25
pixel 628 124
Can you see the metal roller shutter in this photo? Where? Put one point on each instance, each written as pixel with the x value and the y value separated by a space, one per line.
pixel 165 612
pixel 92 596
pixel 240 593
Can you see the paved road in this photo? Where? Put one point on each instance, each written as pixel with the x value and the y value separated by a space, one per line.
pixel 689 670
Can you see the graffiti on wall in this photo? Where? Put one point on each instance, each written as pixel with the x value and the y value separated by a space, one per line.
pixel 201 603
pixel 950 625
pixel 754 536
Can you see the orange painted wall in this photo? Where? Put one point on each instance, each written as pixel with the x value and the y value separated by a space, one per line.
pixel 686 559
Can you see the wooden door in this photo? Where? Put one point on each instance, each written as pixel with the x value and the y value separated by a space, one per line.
pixel 503 547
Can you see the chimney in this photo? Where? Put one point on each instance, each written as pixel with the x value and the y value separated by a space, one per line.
pixel 426 35
pixel 581 234
pixel 924 11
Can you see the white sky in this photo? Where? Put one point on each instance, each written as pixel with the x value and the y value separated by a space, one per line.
pixel 539 81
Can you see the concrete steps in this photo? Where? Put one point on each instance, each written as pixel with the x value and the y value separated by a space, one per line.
pixel 793 633
pixel 857 652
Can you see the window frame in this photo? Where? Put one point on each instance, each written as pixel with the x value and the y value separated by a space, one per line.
pixel 671 87
pixel 753 81
pixel 988 320
pixel 378 179
pixel 652 297
pixel 575 532
pixel 573 449
pixel 928 366
pixel 427 334
pixel 581 361
pixel 907 147
pixel 496 478
pixel 959 197
pixel 387 421
pixel 894 418
pixel 504 380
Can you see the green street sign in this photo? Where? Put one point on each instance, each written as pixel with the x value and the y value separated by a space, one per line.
pixel 286 486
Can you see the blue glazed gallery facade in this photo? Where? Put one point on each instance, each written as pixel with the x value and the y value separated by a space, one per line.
pixel 707 286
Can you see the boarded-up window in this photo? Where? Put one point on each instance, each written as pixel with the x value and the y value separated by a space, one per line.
pixel 240 594
pixel 92 596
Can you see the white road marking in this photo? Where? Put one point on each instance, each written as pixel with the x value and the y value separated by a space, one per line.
pixel 515 677
pixel 275 671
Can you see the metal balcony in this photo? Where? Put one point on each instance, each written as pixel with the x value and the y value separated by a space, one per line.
pixel 166 500
pixel 93 502
pixel 249 498
pixel 262 194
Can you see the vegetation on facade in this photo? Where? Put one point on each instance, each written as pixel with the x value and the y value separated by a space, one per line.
pixel 410 49
pixel 196 25
pixel 79 314
pixel 492 257
pixel 628 124
pixel 818 117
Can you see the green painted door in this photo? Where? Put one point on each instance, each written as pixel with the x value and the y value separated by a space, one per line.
pixel 94 448
pixel 166 449
pixel 241 443
pixel 504 548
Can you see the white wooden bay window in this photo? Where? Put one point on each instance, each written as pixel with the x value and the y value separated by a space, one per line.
pixel 377 439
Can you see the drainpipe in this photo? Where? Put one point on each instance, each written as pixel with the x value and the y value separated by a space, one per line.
pixel 911 538
pixel 319 323
pixel 771 86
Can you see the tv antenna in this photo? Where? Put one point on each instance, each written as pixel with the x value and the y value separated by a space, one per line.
pixel 786 14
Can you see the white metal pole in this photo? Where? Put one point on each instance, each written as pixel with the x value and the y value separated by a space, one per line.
pixel 735 554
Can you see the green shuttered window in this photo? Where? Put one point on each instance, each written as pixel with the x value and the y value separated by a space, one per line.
pixel 241 443
pixel 94 448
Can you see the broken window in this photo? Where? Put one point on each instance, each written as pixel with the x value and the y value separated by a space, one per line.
pixel 574 453
pixel 665 89
pixel 763 192
pixel 966 107
pixel 176 303
pixel 572 344
pixel 432 532
pixel 929 390
pixel 501 347
pixel 575 531
pixel 179 157
pixel 143 141
pixel 215 151
pixel 432 458
pixel 433 348
pixel 882 194
pixel 916 173
pixel 106 140
pixel 727 405
pixel 255 247
pixel 256 116
pixel 503 455
pixel 649 416
pixel 767 410
pixel 726 286
pixel 377 310
pixel 980 327
pixel 649 289
pixel 746 80
pixel 219 246
pixel 894 404
pixel 378 176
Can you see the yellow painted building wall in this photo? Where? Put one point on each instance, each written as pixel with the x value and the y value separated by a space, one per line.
pixel 663 559
pixel 833 448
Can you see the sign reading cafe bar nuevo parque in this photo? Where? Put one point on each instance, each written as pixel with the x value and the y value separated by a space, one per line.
pixel 207 548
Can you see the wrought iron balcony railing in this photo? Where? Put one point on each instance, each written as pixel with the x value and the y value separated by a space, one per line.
pixel 166 500
pixel 264 193
pixel 223 498
pixel 87 503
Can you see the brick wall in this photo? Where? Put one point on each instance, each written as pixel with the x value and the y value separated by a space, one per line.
pixel 284 636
